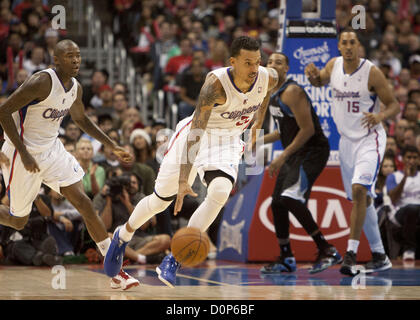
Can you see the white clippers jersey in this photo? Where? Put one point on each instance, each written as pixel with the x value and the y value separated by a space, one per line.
pixel 351 97
pixel 38 122
pixel 235 115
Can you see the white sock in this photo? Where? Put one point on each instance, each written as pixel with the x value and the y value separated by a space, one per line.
pixel 353 245
pixel 145 209
pixel 104 245
pixel 217 195
pixel 141 259
pixel 124 234
pixel 371 230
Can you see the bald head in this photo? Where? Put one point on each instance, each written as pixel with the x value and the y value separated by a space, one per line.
pixel 62 46
pixel 67 57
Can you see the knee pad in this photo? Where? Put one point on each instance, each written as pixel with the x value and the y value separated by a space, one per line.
pixel 219 190
pixel 156 204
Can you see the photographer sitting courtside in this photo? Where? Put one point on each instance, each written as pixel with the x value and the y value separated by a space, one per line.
pixel 114 205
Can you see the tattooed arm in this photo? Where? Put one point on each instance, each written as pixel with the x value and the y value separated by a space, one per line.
pixel 211 92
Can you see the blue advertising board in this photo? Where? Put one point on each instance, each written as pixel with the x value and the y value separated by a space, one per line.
pixel 307 41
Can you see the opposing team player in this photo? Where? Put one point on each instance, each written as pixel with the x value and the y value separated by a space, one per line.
pixel 227 103
pixel 357 86
pixel 31 118
pixel 305 154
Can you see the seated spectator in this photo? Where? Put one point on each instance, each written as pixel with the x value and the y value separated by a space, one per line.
pixel 403 78
pixel 67 225
pixel 94 178
pixel 107 159
pixel 178 63
pixel 414 62
pixel 145 173
pixel 157 125
pixel 105 105
pixel 414 95
pixel 219 55
pixel 70 147
pixel 72 131
pixel 115 204
pixel 400 127
pixel 412 114
pixel 104 122
pixel 388 166
pixel 190 85
pixel 120 104
pixel 391 147
pixel 51 38
pixel 119 87
pixel 410 136
pixel 142 143
pixel 91 92
pixel 32 245
pixel 132 115
pixel 404 191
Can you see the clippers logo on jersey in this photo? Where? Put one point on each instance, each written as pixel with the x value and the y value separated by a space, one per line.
pixel 55 114
pixel 340 95
pixel 237 114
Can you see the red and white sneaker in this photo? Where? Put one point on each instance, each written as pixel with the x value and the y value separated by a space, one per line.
pixel 123 281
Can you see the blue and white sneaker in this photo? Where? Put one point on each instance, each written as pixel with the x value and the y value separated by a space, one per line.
pixel 326 258
pixel 287 264
pixel 167 270
pixel 114 257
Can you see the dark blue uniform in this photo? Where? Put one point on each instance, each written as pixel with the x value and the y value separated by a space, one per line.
pixel 300 171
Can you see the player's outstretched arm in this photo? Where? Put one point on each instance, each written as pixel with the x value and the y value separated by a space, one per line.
pixel 211 92
pixel 378 83
pixel 36 88
pixel 319 78
pixel 77 112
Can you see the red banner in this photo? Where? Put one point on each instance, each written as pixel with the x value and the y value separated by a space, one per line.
pixel 330 208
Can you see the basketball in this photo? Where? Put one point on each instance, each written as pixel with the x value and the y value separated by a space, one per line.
pixel 190 246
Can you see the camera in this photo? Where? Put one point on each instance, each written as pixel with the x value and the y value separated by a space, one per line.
pixel 116 185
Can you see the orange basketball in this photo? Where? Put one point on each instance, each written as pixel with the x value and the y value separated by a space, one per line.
pixel 190 246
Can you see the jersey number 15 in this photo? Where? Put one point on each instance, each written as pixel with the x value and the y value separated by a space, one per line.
pixel 353 106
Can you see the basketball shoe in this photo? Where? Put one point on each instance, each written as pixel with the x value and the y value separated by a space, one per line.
pixel 123 281
pixel 348 267
pixel 167 270
pixel 379 262
pixel 283 264
pixel 114 257
pixel 326 258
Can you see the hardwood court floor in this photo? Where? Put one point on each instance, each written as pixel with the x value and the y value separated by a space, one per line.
pixel 213 280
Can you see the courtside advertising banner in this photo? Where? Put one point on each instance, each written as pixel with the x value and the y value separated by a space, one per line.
pixel 314 42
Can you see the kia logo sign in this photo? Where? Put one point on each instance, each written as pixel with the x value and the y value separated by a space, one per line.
pixel 327 199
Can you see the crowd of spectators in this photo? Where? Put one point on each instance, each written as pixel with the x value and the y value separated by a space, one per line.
pixel 174 44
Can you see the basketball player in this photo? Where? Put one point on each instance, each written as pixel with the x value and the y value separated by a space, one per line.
pixel 306 152
pixel 31 118
pixel 357 85
pixel 228 100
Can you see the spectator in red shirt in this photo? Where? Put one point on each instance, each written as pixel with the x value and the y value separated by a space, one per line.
pixel 219 56
pixel 178 63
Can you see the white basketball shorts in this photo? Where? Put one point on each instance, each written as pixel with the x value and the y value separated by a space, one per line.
pixel 360 161
pixel 58 168
pixel 215 152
